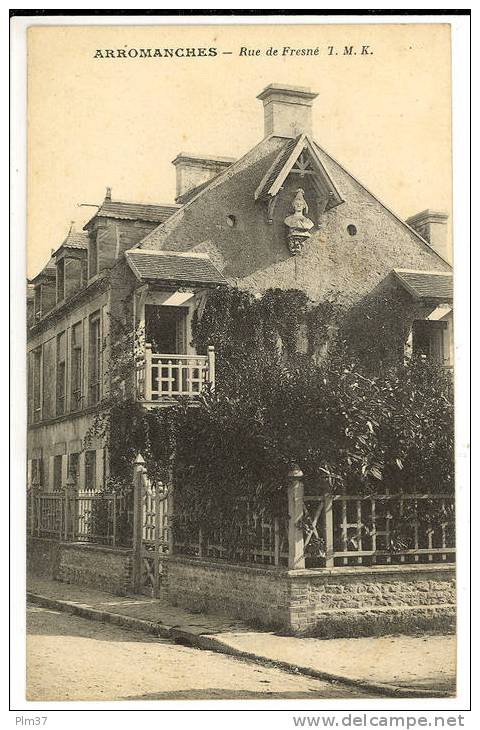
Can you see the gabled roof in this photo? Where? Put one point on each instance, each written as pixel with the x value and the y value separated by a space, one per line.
pixel 432 285
pixel 173 266
pixel 268 145
pixel 298 156
pixel 134 211
pixel 276 152
pixel 49 271
pixel 75 239
pixel 328 158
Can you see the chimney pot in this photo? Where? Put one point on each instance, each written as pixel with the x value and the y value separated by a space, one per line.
pixel 108 194
pixel 287 110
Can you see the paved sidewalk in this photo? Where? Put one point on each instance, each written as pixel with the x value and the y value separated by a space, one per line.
pixel 400 666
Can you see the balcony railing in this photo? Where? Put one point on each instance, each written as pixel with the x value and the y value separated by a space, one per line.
pixel 164 376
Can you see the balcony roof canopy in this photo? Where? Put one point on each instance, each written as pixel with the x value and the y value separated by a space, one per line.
pixel 436 286
pixel 174 266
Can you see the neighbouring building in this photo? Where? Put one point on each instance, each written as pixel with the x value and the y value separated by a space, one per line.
pixel 286 215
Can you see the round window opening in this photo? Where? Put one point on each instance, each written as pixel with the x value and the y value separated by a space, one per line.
pixel 231 220
pixel 352 230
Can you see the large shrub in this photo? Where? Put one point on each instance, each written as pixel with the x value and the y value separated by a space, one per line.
pixel 347 429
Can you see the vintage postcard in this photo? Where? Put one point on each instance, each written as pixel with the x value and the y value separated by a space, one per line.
pixel 240 356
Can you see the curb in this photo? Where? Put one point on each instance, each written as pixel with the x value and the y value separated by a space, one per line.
pixel 204 641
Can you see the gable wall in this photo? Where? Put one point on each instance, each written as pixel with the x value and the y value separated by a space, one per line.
pixel 256 253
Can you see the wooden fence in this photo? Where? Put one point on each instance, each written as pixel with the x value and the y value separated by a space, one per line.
pixel 327 531
pixel 251 537
pixel 312 531
pixel 71 516
pixel 343 530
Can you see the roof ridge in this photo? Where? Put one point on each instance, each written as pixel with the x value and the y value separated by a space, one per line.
pixel 140 202
pixel 163 252
pixel 424 271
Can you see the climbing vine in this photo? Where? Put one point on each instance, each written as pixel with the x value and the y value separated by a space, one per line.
pixel 349 428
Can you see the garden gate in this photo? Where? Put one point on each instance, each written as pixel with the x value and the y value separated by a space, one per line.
pixel 151 530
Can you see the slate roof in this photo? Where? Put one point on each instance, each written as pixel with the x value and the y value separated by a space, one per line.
pixel 49 270
pixel 427 284
pixel 189 194
pixel 193 268
pixel 134 211
pixel 75 239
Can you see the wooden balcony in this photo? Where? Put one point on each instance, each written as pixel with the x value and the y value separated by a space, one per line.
pixel 162 377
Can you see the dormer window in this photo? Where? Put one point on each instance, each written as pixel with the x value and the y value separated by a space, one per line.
pixel 60 280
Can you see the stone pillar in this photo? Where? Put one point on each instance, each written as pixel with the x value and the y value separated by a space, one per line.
pixel 296 555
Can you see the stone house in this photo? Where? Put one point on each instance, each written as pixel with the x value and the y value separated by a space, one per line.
pixel 284 215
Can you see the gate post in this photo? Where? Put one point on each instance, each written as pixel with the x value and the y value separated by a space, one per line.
pixel 139 472
pixel 296 556
pixel 328 530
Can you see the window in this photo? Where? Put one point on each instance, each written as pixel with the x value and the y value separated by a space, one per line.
pixel 57 473
pixel 74 466
pixel 94 359
pixel 90 470
pixel 60 280
pixel 76 367
pixel 428 340
pixel 92 256
pixel 61 374
pixel 352 230
pixel 165 328
pixel 37 384
pixel 37 472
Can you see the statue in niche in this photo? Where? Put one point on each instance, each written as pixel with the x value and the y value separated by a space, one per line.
pixel 298 224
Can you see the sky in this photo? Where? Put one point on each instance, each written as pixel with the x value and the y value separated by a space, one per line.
pixel 96 122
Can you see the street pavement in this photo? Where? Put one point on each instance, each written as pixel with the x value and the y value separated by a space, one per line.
pixel 73 658
pixel 401 666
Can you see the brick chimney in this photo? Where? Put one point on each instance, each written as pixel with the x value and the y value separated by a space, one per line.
pixel 432 226
pixel 194 170
pixel 287 110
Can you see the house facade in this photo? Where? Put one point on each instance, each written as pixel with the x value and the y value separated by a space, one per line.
pixel 285 215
